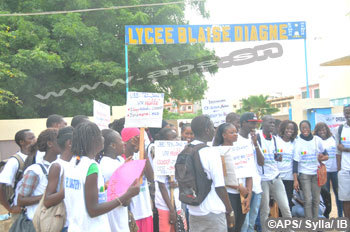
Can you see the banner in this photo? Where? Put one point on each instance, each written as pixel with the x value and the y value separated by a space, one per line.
pixel 239 161
pixel 102 115
pixel 144 109
pixel 217 110
pixel 182 34
pixel 165 156
pixel 332 120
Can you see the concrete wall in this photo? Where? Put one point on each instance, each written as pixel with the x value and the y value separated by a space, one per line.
pixel 300 107
pixel 335 82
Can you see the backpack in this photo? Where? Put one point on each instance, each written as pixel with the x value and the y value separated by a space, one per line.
pixel 50 219
pixel 9 190
pixel 194 185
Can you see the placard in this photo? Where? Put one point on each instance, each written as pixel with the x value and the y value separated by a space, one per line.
pixel 239 162
pixel 102 114
pixel 216 109
pixel 332 120
pixel 165 156
pixel 144 109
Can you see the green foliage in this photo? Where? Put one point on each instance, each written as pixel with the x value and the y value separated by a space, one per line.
pixel 258 105
pixel 169 115
pixel 62 53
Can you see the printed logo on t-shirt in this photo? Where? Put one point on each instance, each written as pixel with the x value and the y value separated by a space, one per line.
pixel 343 138
pixel 264 151
pixel 73 183
pixel 279 150
pixel 303 153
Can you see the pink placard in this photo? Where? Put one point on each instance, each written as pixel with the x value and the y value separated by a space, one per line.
pixel 123 178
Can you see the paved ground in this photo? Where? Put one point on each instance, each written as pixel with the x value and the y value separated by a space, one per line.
pixel 5 225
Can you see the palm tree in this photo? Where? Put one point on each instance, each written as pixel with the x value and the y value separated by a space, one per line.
pixel 258 105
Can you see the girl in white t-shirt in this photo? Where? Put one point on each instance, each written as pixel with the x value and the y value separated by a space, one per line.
pixel 285 145
pixel 85 195
pixel 110 160
pixel 329 143
pixel 308 153
pixel 55 191
pixel 35 177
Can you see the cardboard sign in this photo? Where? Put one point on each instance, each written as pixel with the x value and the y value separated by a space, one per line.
pixel 165 156
pixel 217 110
pixel 238 163
pixel 102 115
pixel 144 109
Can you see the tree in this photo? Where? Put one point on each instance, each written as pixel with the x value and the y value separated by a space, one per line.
pixel 258 105
pixel 80 56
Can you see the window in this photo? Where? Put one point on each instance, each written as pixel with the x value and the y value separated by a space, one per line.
pixel 189 107
pixel 284 104
pixel 278 105
pixel 317 93
pixel 168 108
pixel 303 94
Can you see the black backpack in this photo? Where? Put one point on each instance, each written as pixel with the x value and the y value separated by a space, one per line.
pixel 194 185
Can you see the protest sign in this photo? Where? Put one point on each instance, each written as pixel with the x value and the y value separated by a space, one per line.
pixel 144 109
pixel 239 161
pixel 217 110
pixel 165 156
pixel 102 114
pixel 332 120
pixel 123 178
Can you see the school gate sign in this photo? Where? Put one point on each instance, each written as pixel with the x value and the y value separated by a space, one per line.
pixel 184 34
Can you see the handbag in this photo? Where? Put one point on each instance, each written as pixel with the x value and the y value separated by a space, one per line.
pixel 321 175
pixel 132 224
pixel 22 224
pixel 179 224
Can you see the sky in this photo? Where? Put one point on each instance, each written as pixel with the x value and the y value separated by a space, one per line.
pixel 328 36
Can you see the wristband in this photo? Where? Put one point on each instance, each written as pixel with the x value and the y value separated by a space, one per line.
pixel 120 202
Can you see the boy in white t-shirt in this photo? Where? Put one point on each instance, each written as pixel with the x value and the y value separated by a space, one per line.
pixel 11 174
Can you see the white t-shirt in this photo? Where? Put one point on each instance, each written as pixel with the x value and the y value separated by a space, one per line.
pixel 345 140
pixel 256 176
pixel 306 153
pixel 212 165
pixel 159 201
pixel 79 219
pixel 286 149
pixel 8 174
pixel 270 170
pixel 140 205
pixel 41 187
pixel 118 217
pixel 331 146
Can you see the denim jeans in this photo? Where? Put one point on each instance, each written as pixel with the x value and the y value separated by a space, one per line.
pixel 311 194
pixel 333 176
pixel 249 222
pixel 276 188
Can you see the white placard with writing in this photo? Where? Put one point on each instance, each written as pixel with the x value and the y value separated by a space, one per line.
pixel 102 114
pixel 239 162
pixel 165 156
pixel 144 109
pixel 216 109
pixel 332 120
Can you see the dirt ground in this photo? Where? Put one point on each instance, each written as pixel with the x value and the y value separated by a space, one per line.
pixel 5 225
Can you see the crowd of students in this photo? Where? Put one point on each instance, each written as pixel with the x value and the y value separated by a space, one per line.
pixel 73 164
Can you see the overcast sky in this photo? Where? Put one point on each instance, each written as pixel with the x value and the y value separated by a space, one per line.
pixel 328 36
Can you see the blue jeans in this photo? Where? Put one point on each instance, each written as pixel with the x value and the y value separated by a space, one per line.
pixel 333 176
pixel 250 218
pixel 298 211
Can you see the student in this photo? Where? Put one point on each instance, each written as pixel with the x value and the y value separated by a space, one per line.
pixel 117 125
pixel 248 137
pixel 271 181
pixel 54 191
pixel 76 120
pixel 35 177
pixel 234 119
pixel 299 202
pixel 308 153
pixel 215 212
pixel 343 150
pixel 85 195
pixel 186 132
pixel 285 142
pixel 330 145
pixel 25 139
pixel 55 121
pixel 110 161
pixel 140 205
pixel 226 135
pixel 166 210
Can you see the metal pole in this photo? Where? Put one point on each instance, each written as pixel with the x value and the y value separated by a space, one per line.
pixel 307 76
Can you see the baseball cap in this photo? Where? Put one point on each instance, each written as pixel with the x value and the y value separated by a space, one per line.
pixel 249 117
